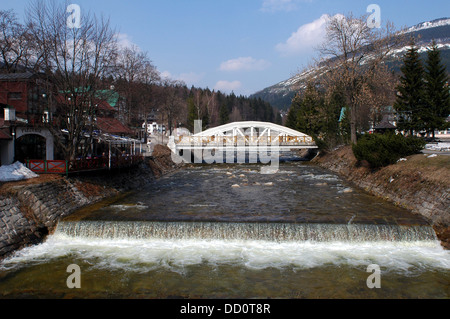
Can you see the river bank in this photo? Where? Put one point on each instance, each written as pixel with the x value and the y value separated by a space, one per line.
pixel 418 183
pixel 31 209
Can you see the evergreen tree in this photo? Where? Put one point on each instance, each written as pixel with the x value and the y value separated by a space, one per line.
pixel 224 117
pixel 192 114
pixel 205 119
pixel 278 118
pixel 291 119
pixel 316 116
pixel 410 102
pixel 311 118
pixel 437 92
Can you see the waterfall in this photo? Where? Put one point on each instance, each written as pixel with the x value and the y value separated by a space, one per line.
pixel 277 232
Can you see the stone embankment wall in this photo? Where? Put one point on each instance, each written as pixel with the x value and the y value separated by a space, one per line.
pixel 421 188
pixel 30 210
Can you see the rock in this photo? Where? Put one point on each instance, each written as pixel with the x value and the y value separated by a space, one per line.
pixel 235 186
pixel 443 233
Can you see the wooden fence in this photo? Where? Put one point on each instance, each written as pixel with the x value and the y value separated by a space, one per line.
pixel 82 165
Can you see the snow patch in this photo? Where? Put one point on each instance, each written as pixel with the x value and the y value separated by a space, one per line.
pixel 15 172
pixel 440 147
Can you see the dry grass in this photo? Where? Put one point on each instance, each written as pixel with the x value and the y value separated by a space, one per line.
pixel 435 170
pixel 8 187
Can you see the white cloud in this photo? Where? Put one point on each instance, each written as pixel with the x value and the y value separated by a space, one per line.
pixel 281 5
pixel 244 64
pixel 305 38
pixel 166 75
pixel 227 86
pixel 124 41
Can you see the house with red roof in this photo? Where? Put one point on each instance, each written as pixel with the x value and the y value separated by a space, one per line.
pixel 25 116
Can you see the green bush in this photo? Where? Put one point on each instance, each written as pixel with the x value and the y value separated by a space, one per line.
pixel 381 150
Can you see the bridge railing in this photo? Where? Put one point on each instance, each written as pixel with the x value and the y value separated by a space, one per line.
pixel 244 140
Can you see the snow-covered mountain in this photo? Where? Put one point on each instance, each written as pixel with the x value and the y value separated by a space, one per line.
pixel 430 24
pixel 280 95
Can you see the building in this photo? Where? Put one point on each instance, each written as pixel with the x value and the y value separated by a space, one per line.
pixel 25 116
pixel 22 102
pixel 154 127
pixel 385 126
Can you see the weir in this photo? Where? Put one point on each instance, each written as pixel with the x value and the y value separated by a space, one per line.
pixel 275 232
pixel 302 233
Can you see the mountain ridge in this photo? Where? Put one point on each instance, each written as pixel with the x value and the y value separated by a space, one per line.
pixel 280 95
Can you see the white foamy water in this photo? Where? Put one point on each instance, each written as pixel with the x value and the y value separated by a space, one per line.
pixel 120 208
pixel 323 177
pixel 148 254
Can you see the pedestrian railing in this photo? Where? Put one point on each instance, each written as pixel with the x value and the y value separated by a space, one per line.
pixel 82 165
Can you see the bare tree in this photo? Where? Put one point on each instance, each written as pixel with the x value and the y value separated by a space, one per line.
pixel 352 62
pixel 235 115
pixel 135 77
pixel 74 60
pixel 172 103
pixel 17 49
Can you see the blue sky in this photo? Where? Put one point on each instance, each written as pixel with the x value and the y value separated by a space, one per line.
pixel 236 45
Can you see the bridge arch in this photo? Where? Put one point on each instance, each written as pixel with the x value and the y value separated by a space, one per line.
pixel 242 134
pixel 263 127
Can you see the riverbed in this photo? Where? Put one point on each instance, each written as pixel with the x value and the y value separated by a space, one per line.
pixel 228 231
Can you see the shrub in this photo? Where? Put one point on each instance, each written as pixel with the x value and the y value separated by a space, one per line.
pixel 381 150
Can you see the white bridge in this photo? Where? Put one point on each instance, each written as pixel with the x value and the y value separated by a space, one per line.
pixel 243 136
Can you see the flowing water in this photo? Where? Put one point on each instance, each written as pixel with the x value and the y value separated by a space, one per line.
pixel 227 231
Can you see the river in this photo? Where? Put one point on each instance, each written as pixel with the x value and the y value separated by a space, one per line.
pixel 228 231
